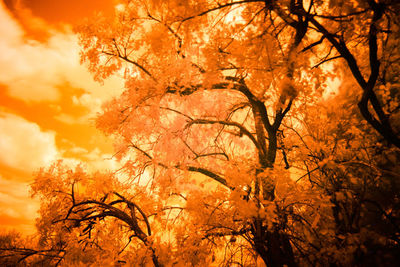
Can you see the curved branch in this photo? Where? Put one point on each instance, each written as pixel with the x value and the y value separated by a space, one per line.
pixel 210 174
pixel 139 209
pixel 382 124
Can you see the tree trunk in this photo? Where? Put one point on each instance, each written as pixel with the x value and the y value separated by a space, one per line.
pixel 272 246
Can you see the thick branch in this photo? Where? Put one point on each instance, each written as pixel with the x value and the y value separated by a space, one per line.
pixel 208 173
pixel 381 124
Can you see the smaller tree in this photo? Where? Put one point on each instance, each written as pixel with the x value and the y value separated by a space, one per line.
pixel 18 251
pixel 94 221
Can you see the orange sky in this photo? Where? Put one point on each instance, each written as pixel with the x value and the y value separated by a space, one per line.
pixel 47 99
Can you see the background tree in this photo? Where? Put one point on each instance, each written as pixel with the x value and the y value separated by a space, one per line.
pixel 16 250
pixel 353 168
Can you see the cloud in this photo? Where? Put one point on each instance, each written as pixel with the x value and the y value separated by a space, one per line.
pixel 17 208
pixel 93 104
pixel 87 100
pixel 23 145
pixel 35 71
pixel 94 160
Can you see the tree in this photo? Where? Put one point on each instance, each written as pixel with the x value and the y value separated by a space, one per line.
pixel 213 123
pixel 355 171
pixel 161 91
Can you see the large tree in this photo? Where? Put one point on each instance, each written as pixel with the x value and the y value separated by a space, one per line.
pixel 230 152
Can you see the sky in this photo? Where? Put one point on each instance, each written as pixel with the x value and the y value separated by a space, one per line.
pixel 48 100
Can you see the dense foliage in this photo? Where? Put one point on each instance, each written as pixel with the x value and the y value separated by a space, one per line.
pixel 234 151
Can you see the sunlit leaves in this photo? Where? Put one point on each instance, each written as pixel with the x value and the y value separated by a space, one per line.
pixel 230 148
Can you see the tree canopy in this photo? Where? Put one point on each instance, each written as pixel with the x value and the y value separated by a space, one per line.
pixel 234 152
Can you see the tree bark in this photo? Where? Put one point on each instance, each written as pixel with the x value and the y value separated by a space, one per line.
pixel 272 246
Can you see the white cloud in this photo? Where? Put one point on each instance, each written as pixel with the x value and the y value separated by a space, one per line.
pixel 23 145
pixel 78 150
pixel 98 161
pixel 33 70
pixel 87 100
pixel 68 119
pixel 8 26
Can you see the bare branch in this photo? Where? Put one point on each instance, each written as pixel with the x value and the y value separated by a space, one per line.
pixel 206 172
pixel 221 7
pixel 228 123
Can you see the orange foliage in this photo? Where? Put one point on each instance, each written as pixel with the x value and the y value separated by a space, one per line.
pixel 232 156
